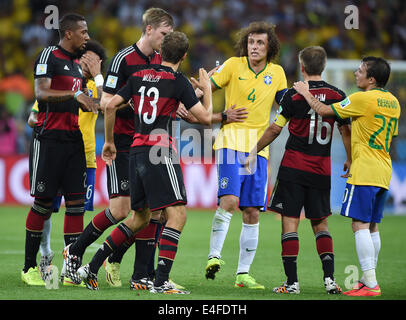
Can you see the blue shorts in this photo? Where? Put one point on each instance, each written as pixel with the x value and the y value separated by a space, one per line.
pixel 364 203
pixel 251 189
pixel 90 180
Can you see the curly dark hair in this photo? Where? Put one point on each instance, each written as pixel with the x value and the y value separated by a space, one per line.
pixel 258 27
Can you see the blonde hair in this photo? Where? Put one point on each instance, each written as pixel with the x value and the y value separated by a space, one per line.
pixel 154 17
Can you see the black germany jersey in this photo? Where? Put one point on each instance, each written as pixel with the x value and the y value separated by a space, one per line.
pixel 306 159
pixel 122 66
pixel 156 92
pixel 59 120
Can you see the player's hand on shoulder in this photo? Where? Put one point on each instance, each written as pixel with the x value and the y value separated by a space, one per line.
pixel 109 153
pixel 301 87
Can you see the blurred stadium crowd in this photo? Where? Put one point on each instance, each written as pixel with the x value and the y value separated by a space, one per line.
pixel 211 26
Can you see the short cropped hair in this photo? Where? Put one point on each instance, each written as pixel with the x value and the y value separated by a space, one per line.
pixel 69 22
pixel 313 60
pixel 256 28
pixel 154 17
pixel 174 46
pixel 377 68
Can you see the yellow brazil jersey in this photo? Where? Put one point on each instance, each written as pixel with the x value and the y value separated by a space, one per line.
pixel 87 123
pixel 255 92
pixel 375 114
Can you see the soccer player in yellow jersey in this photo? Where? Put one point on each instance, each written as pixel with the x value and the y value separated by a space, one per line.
pixel 375 113
pixel 91 64
pixel 253 82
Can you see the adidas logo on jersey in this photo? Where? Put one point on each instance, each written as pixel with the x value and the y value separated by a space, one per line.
pixel 66 67
pixel 279 205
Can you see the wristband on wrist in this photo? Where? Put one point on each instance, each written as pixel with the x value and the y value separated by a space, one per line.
pixel 223 116
pixel 75 96
pixel 99 80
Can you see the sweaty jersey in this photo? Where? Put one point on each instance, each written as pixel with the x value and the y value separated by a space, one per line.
pixel 255 92
pixel 375 114
pixel 122 66
pixel 59 120
pixel 156 92
pixel 306 160
pixel 87 123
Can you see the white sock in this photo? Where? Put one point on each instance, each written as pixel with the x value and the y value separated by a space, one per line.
pixel 376 240
pixel 219 229
pixel 248 246
pixel 366 256
pixel 45 245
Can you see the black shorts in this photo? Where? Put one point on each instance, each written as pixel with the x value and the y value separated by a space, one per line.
pixel 57 165
pixel 118 181
pixel 155 186
pixel 289 198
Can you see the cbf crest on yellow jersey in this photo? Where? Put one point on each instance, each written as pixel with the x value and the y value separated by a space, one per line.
pixel 254 91
pixel 375 115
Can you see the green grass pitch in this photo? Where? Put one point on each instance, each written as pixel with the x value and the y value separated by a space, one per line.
pixel 188 268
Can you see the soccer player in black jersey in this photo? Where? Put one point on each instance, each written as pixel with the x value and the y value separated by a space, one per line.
pixel 57 158
pixel 304 174
pixel 156 181
pixel 156 23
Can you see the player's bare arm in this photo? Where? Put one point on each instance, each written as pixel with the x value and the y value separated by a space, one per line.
pixel 321 108
pixel 345 131
pixel 109 149
pixel 106 97
pixel 232 114
pixel 43 91
pixel 270 134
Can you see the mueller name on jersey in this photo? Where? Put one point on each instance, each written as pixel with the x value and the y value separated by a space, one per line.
pixel 151 78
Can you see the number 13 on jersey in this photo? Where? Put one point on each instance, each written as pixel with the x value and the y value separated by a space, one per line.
pixel 144 117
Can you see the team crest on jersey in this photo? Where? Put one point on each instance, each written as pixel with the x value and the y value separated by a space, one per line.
pixel 267 80
pixel 111 81
pixel 345 102
pixel 40 186
pixel 124 185
pixel 224 183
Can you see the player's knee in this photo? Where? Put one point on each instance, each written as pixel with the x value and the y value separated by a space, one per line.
pixel 139 219
pixel 229 203
pixel 120 208
pixel 250 215
pixel 319 225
